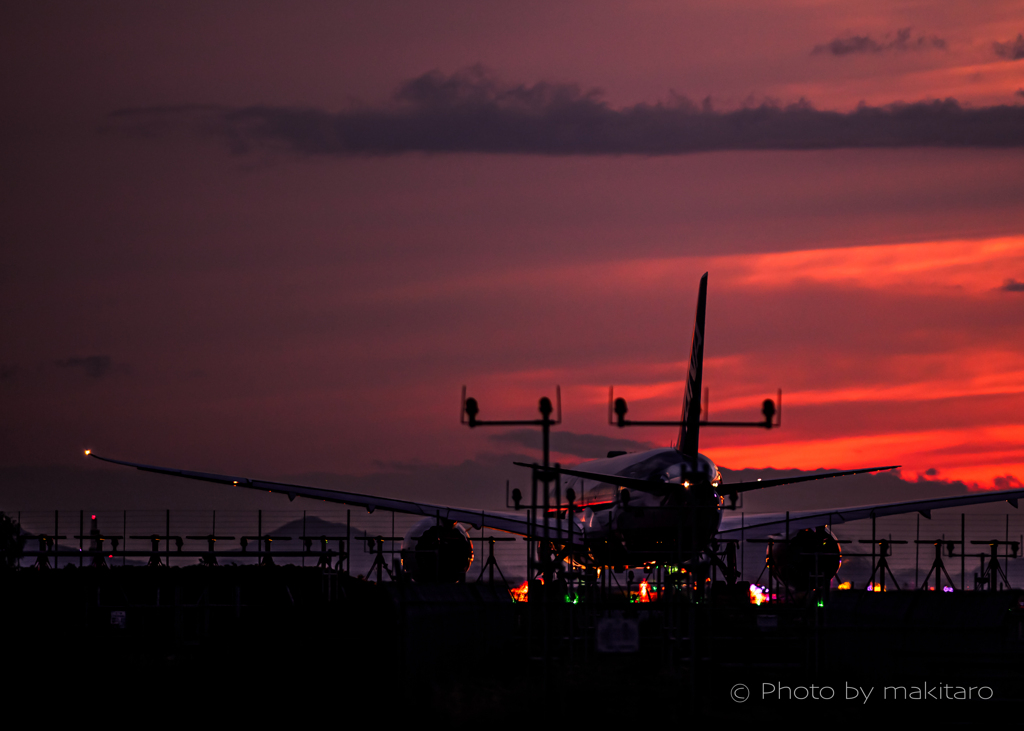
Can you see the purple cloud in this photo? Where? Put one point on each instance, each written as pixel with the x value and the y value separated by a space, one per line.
pixel 471 111
pixel 852 44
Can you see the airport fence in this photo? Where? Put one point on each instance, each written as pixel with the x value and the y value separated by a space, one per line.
pixel 294 537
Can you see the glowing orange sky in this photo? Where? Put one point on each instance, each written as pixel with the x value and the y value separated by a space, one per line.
pixel 977 452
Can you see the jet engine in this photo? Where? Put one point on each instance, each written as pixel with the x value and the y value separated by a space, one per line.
pixel 810 559
pixel 436 552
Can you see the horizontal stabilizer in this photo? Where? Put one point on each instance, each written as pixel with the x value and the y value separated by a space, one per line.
pixel 651 486
pixel 737 487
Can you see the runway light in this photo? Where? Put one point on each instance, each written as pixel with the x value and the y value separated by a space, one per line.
pixel 947 589
pixel 758 594
pixel 644 593
pixel 686 484
pixel 521 592
pixel 845 586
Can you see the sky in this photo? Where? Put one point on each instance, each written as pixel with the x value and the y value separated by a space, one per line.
pixel 276 239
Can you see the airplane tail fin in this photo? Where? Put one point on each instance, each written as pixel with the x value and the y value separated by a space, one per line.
pixel 689 430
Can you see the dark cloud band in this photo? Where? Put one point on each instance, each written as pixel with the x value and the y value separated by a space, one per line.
pixel 472 112
pixel 902 41
pixel 587 446
pixel 1011 50
pixel 95 366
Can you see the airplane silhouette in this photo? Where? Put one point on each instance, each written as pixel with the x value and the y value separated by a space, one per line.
pixel 664 506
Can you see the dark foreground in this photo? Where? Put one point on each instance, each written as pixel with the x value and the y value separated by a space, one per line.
pixel 251 643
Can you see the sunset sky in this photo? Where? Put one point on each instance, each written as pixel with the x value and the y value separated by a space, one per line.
pixel 276 239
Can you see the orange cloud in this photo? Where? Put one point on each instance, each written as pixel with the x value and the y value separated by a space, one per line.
pixel 975 451
pixel 967 265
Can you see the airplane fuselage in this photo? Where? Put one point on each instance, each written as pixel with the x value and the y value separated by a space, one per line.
pixel 675 518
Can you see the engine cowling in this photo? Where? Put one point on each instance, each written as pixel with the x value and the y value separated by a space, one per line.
pixel 810 559
pixel 436 552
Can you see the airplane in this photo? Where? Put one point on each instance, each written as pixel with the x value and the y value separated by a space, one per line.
pixel 663 506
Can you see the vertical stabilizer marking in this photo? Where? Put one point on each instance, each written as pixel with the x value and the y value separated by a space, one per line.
pixel 689 431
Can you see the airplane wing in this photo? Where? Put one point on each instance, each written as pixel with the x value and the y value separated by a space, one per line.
pixel 507 522
pixel 773 524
